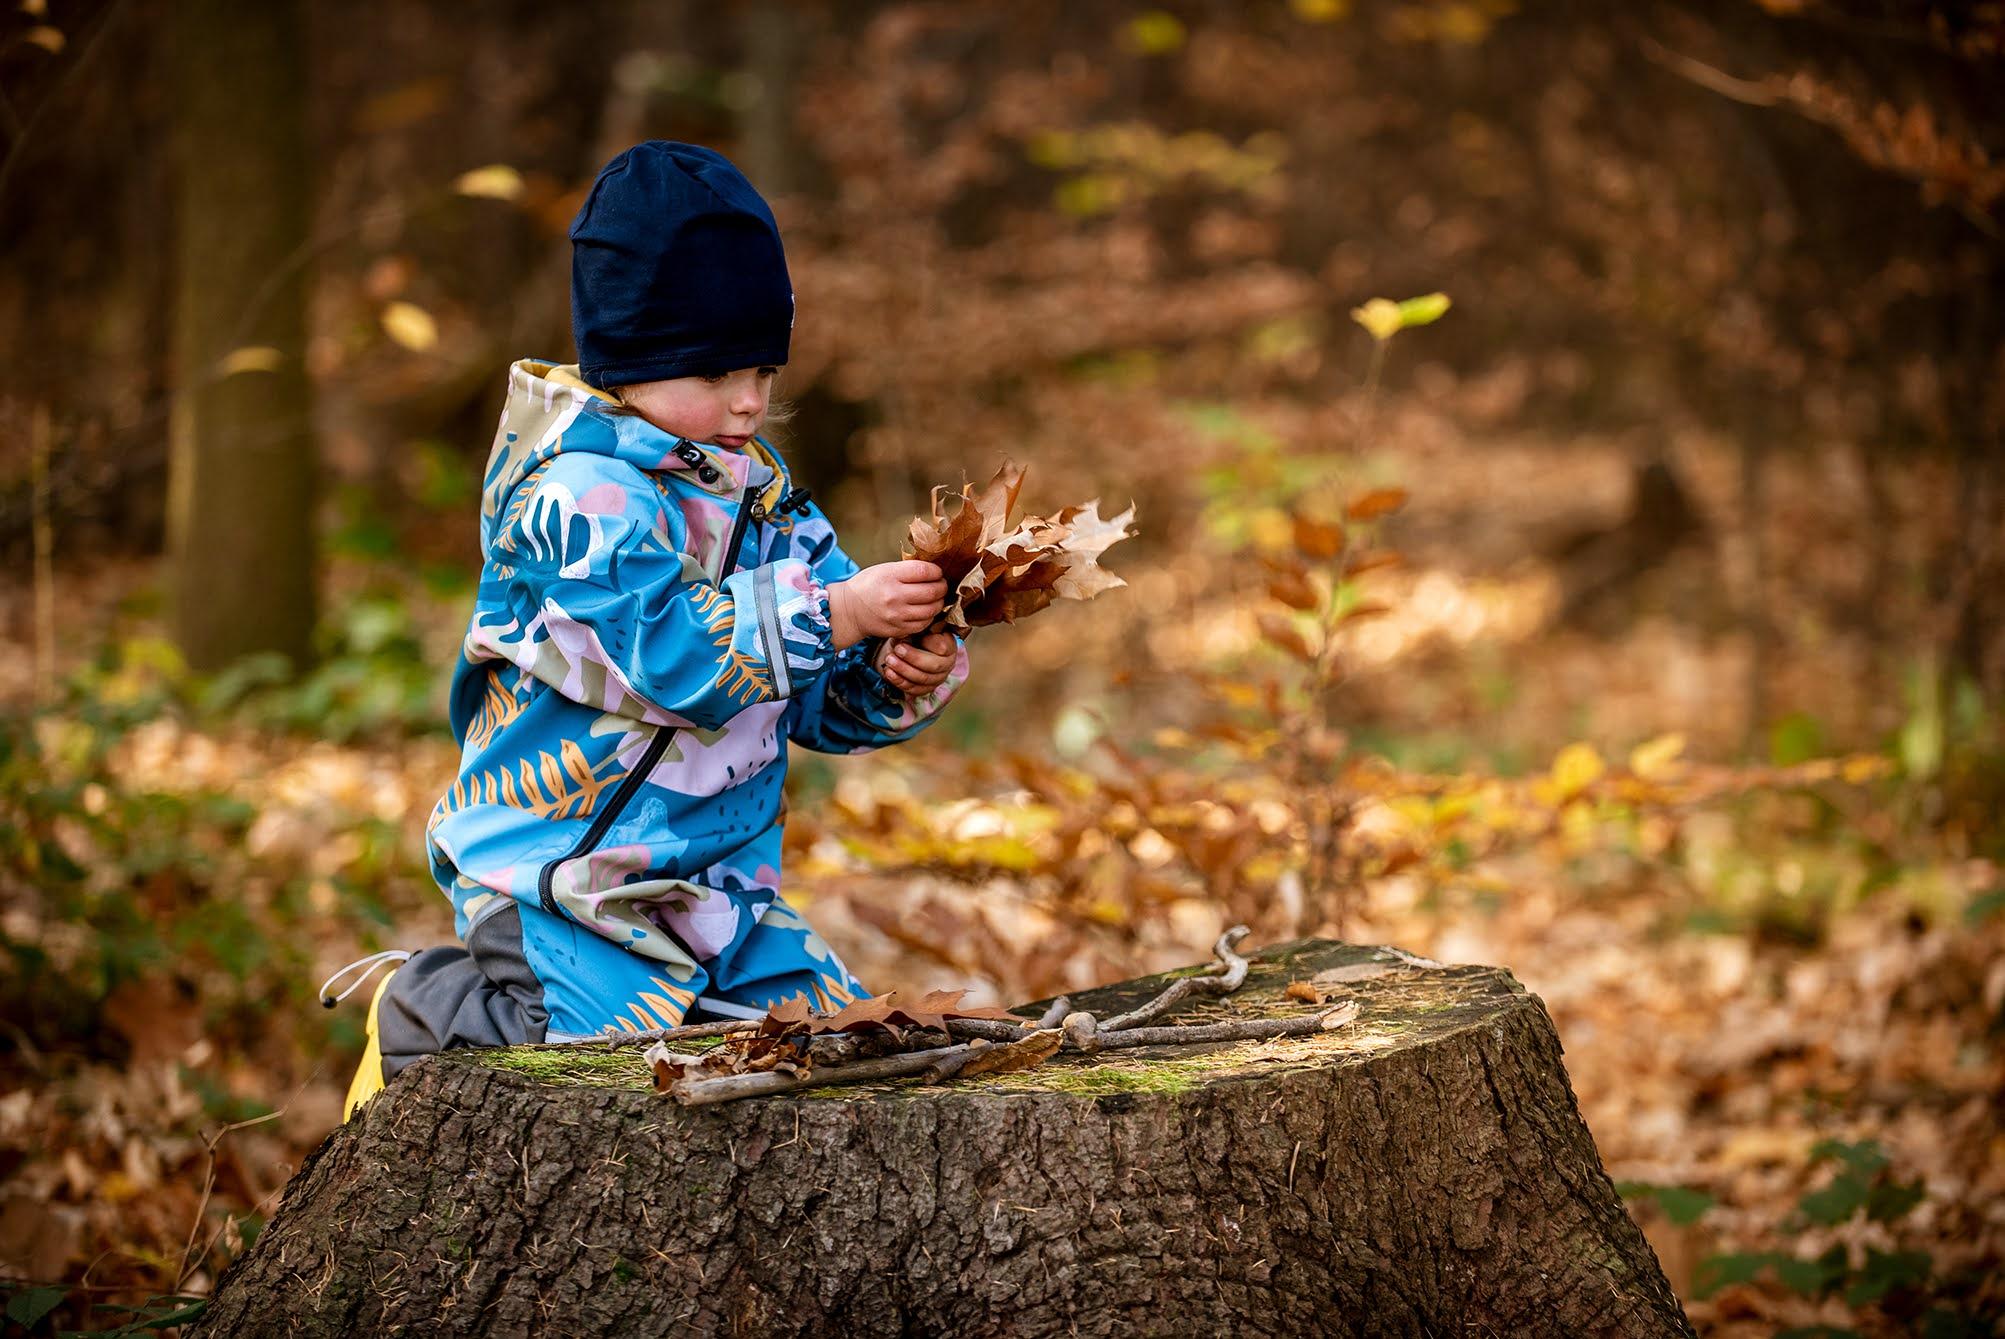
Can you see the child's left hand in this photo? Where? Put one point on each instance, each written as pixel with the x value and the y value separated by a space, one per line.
pixel 920 667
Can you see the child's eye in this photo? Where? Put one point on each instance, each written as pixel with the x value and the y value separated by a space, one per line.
pixel 713 380
pixel 769 371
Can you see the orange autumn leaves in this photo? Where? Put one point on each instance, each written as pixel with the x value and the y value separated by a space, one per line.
pixel 997 573
pixel 1316 579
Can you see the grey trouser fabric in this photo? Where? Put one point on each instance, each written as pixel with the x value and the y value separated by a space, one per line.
pixel 481 995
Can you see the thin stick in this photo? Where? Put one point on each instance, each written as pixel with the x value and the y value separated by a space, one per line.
pixel 1056 1013
pixel 944 1068
pixel 613 1041
pixel 731 1087
pixel 1226 978
pixel 188 1266
pixel 1243 1029
pixel 991 1029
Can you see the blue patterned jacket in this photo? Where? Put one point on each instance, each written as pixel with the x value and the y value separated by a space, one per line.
pixel 650 633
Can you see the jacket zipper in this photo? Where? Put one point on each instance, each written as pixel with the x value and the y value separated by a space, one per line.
pixel 663 735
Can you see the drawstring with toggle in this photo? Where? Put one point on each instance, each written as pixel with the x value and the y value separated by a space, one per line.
pixel 368 966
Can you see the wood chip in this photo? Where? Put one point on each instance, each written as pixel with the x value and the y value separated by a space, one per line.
pixel 1357 971
pixel 1012 1056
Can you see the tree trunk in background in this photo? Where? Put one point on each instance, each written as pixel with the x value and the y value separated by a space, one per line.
pixel 240 483
pixel 774 49
pixel 1755 622
pixel 1422 1171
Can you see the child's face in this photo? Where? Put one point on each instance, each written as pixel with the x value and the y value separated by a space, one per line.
pixel 724 410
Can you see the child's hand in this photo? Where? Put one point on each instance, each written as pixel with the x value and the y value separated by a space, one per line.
pixel 919 667
pixel 888 600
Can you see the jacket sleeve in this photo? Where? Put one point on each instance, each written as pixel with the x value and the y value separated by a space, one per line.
pixel 597 598
pixel 855 709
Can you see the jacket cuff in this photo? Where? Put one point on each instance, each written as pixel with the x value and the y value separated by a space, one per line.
pixel 791 605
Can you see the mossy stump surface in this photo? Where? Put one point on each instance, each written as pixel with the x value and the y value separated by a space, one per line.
pixel 1423 1171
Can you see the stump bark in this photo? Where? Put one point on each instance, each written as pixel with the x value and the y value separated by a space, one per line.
pixel 1424 1171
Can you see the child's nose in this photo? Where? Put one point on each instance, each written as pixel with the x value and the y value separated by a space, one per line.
pixel 749 400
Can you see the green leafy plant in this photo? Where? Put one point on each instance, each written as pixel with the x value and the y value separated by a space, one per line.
pixel 1862 1186
pixel 1681 1204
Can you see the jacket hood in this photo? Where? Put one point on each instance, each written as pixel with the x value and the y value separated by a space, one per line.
pixel 550 409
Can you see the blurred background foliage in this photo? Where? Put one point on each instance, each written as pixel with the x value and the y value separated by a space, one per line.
pixel 1566 441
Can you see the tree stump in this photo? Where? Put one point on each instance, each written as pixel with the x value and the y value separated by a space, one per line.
pixel 1422 1171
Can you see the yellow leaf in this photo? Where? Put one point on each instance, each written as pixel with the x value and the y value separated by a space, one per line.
pixel 49 39
pixel 250 358
pixel 1320 11
pixel 1422 310
pixel 1107 911
pixel 496 181
pixel 1155 33
pixel 1657 757
pixel 1576 826
pixel 1860 768
pixel 1416 810
pixel 411 326
pixel 1236 694
pixel 1576 768
pixel 1380 316
pixel 1270 530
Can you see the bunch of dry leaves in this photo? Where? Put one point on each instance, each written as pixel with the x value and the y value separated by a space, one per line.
pixel 998 573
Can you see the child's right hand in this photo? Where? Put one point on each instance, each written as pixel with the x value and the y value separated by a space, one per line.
pixel 888 600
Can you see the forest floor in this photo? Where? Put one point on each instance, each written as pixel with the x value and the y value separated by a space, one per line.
pixel 1781 1012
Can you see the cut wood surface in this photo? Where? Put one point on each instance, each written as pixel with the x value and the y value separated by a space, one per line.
pixel 1423 1170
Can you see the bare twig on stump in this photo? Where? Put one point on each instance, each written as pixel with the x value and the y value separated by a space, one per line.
pixel 612 1041
pixel 1240 1029
pixel 703 1092
pixel 993 1029
pixel 943 1069
pixel 1056 1013
pixel 1224 979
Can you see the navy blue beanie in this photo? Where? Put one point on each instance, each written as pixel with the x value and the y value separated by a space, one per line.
pixel 676 270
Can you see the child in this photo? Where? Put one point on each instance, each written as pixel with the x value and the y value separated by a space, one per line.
pixel 660 612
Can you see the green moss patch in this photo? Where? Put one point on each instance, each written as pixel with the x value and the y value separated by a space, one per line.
pixel 573 1067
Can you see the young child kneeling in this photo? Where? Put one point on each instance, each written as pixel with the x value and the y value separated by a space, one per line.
pixel 660 612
